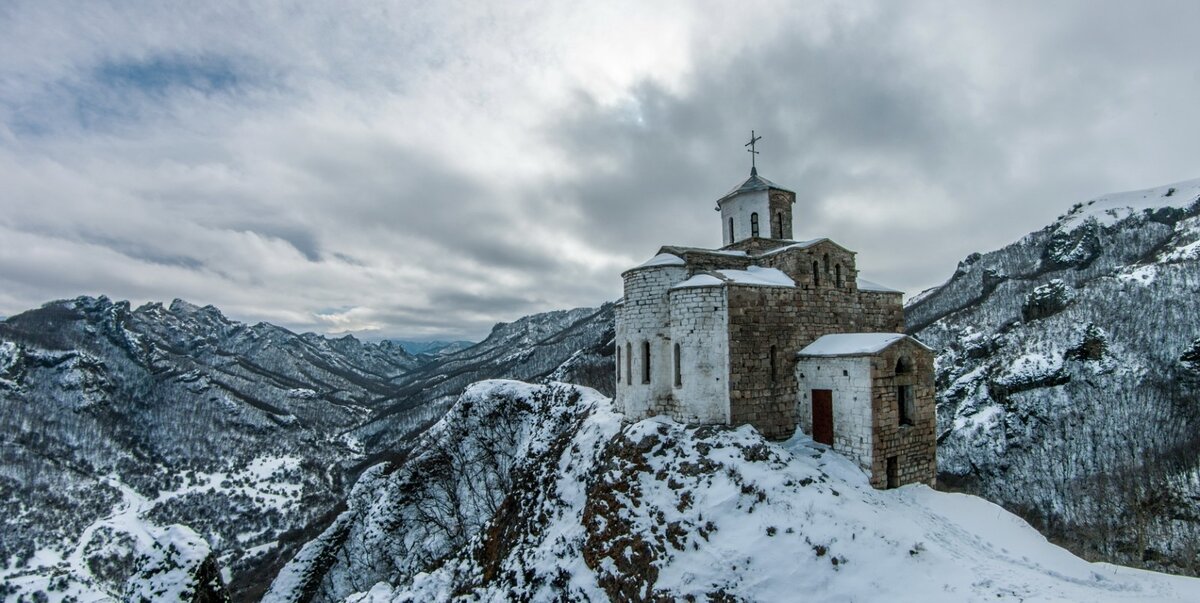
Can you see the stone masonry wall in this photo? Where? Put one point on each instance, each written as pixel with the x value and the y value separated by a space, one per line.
pixel 757 245
pixel 914 446
pixel 699 326
pixel 849 378
pixel 705 260
pixel 762 394
pixel 789 319
pixel 780 205
pixel 726 334
pixel 882 309
pixel 644 316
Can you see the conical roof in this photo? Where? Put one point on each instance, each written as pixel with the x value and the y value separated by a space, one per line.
pixel 753 183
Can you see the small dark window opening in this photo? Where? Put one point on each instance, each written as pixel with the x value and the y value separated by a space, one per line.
pixel 774 370
pixel 837 272
pixel 645 362
pixel 731 230
pixel 618 364
pixel 904 402
pixel 628 363
pixel 893 473
pixel 678 369
pixel 826 263
pixel 903 365
pixel 754 224
pixel 779 225
pixel 816 275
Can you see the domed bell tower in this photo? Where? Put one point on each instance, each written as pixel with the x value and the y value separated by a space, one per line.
pixel 758 208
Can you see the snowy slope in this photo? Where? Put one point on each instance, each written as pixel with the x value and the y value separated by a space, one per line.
pixel 1068 374
pixel 559 500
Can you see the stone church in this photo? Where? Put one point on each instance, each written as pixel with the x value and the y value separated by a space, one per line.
pixel 780 334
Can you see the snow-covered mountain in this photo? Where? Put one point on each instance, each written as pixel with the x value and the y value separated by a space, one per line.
pixel 126 432
pixel 120 423
pixel 570 345
pixel 542 493
pixel 1069 377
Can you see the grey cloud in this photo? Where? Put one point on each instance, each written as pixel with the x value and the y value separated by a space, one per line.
pixel 868 112
pixel 271 163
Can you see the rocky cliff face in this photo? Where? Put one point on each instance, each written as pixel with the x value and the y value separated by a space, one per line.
pixel 1068 380
pixel 543 493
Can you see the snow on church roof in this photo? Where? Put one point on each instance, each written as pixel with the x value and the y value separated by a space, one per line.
pixel 753 183
pixel 663 259
pixel 757 275
pixel 700 280
pixel 866 285
pixel 753 275
pixel 853 344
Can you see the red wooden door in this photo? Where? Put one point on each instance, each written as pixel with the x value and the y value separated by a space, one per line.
pixel 822 415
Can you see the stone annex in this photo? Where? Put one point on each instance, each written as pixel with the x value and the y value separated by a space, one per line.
pixel 777 334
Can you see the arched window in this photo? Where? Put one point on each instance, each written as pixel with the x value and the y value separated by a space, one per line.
pixel 731 230
pixel 678 369
pixel 816 275
pixel 645 362
pixel 779 225
pixel 837 274
pixel 774 370
pixel 754 224
pixel 827 263
pixel 628 363
pixel 903 365
pixel 618 364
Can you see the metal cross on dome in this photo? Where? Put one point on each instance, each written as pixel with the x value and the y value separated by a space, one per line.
pixel 753 139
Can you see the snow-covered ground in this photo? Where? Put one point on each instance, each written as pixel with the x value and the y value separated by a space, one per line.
pixel 603 510
pixel 130 530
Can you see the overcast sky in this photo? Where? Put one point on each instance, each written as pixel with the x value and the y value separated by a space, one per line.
pixel 426 169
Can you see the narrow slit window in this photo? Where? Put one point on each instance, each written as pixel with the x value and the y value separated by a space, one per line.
pixel 754 224
pixel 816 275
pixel 837 274
pixel 779 225
pixel 827 263
pixel 731 230
pixel 628 363
pixel 904 402
pixel 774 369
pixel 645 362
pixel 618 364
pixel 678 369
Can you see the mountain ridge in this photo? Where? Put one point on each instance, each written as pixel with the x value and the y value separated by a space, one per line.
pixel 178 419
pixel 1065 390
